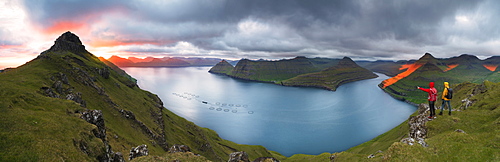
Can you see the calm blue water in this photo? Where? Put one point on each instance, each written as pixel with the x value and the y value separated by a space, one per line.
pixel 289 120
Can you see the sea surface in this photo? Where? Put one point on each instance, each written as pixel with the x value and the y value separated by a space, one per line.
pixel 289 120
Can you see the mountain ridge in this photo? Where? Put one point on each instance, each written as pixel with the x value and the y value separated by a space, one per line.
pixel 427 69
pixel 299 71
pixel 163 62
pixel 71 106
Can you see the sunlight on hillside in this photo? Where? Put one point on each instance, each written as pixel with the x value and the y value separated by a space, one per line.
pixel 451 66
pixel 490 67
pixel 410 69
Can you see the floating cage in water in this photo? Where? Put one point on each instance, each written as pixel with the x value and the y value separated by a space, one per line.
pixel 250 112
pixel 211 108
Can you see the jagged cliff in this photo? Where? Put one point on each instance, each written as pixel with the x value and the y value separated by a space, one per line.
pixel 68 105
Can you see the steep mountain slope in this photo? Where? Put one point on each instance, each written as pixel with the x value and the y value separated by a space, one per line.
pixel 299 71
pixel 271 71
pixel 67 105
pixel 469 134
pixel 223 67
pixel 344 72
pixel 429 69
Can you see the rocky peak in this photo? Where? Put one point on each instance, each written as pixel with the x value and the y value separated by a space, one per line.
pixel 69 42
pixel 347 62
pixel 223 67
pixel 427 58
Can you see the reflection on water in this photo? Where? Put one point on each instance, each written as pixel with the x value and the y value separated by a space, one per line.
pixel 289 120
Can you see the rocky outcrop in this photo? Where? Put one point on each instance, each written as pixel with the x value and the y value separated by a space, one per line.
pixel 266 159
pixel 418 130
pixel 138 151
pixel 179 148
pixel 238 157
pixel 95 117
pixel 69 42
pixel 61 88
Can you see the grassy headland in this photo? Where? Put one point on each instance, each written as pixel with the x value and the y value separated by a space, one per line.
pixel 43 102
pixel 300 71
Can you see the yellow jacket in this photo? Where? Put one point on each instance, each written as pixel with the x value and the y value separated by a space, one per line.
pixel 445 91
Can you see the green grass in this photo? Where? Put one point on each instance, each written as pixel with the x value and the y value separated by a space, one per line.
pixel 330 78
pixel 481 142
pixel 180 156
pixel 34 127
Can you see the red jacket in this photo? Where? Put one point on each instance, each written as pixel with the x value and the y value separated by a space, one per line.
pixel 432 91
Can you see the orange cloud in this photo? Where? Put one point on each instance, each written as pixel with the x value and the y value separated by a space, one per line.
pixel 63 26
pixel 10 46
pixel 490 67
pixel 410 69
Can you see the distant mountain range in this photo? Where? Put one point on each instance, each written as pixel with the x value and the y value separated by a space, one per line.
pixel 300 71
pixel 163 62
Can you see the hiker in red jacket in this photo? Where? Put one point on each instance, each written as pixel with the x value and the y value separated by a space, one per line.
pixel 432 98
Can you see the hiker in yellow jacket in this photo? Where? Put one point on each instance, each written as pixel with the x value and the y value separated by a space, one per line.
pixel 446 101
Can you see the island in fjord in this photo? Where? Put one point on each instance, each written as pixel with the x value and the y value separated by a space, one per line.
pixel 300 71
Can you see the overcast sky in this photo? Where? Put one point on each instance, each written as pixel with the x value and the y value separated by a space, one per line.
pixel 270 29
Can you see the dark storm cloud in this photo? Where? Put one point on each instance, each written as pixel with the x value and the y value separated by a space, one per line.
pixel 328 28
pixel 47 12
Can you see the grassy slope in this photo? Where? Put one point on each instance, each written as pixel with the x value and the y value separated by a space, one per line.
pixel 331 78
pixel 407 86
pixel 481 142
pixel 272 71
pixel 39 128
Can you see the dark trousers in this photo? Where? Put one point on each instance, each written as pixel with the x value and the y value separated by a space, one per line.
pixel 431 106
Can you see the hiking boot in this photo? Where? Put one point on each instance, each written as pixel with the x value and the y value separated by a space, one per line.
pixel 430 117
pixel 441 113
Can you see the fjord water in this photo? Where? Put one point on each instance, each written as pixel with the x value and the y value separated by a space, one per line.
pixel 289 120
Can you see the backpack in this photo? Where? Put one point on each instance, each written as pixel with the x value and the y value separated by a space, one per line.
pixel 450 93
pixel 432 94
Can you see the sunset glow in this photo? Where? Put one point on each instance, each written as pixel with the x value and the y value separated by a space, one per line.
pixel 491 67
pixel 451 66
pixel 112 43
pixel 410 69
pixel 63 26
